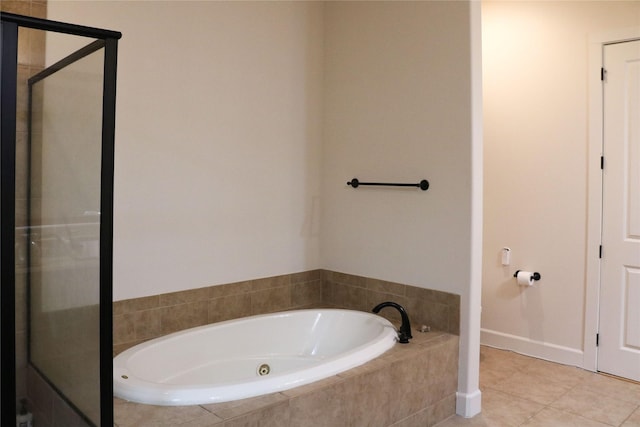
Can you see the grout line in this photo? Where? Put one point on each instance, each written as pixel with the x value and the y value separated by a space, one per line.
pixel 629 416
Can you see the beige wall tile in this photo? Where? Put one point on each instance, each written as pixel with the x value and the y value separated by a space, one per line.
pixel 344 278
pixel 128 414
pixel 229 307
pixel 204 421
pixel 183 316
pixel 385 287
pixel 146 324
pixel 429 313
pixel 233 409
pixel 440 310
pixel 123 328
pixel 419 419
pixel 20 7
pixel 314 387
pixel 329 295
pixel 271 282
pixel 192 295
pixel 185 309
pixel 39 9
pixel 306 293
pixel 441 410
pixel 119 308
pixel 370 397
pixel 443 360
pixel 325 407
pixel 229 289
pixel 22 95
pixel 352 297
pixel 306 276
pixel 454 319
pixel 270 300
pixel 273 416
pixel 136 304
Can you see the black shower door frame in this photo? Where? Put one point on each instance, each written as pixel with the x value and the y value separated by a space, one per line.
pixel 9 24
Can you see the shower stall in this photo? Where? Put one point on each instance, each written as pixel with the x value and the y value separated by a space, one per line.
pixel 56 209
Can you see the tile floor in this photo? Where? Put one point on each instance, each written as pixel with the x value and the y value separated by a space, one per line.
pixel 523 391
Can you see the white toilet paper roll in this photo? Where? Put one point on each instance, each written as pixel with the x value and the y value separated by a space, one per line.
pixel 524 278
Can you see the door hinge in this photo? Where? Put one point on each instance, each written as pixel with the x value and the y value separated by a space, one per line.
pixel 597 340
pixel 600 252
pixel 601 162
pixel 603 73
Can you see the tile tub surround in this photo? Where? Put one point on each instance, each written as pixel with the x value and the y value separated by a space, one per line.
pixel 437 309
pixel 410 385
pixel 140 319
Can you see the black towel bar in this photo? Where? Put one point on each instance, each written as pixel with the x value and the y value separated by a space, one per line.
pixel 423 185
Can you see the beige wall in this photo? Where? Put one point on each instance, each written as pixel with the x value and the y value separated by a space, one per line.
pixel 217 140
pixel 397 110
pixel 536 119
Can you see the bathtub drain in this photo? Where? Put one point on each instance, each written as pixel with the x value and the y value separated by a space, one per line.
pixel 264 369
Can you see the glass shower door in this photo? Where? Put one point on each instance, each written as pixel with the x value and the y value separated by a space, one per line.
pixel 64 226
pixel 56 220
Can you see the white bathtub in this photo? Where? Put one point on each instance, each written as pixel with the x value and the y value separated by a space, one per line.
pixel 223 361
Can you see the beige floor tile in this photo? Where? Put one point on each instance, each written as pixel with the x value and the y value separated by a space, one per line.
pixel 595 406
pixel 493 358
pixel 568 375
pixel 457 421
pixel 507 410
pixel 492 377
pixel 498 410
pixel 633 420
pixel 499 365
pixel 550 417
pixel 612 387
pixel 532 387
pixel 523 391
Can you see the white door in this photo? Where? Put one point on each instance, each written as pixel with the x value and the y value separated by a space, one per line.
pixel 619 329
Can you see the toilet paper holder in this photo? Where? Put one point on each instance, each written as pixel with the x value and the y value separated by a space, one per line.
pixel 535 275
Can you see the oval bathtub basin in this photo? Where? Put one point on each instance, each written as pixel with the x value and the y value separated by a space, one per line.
pixel 250 356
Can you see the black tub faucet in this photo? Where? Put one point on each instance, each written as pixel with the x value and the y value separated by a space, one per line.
pixel 404 334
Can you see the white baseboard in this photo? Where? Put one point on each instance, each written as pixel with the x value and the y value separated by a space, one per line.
pixel 529 347
pixel 468 404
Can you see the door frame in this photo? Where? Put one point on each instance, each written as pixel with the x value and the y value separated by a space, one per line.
pixel 597 43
